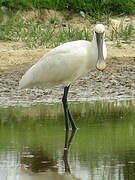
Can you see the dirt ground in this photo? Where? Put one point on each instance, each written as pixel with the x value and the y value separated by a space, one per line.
pixel 117 82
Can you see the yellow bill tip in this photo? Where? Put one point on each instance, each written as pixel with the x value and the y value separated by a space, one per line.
pixel 101 65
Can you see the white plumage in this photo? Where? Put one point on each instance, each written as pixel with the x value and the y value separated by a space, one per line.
pixel 67 62
pixel 62 64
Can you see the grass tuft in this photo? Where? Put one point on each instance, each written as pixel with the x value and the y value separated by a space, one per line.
pixel 122 32
pixel 37 34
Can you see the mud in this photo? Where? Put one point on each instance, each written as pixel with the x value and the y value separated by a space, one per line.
pixel 117 82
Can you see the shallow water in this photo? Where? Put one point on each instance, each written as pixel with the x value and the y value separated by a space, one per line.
pixel 32 141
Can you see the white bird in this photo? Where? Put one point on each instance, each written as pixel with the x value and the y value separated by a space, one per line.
pixel 66 63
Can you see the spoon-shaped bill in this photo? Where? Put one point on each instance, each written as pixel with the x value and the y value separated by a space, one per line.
pixel 101 65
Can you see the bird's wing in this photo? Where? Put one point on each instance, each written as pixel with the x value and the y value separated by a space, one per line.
pixel 60 65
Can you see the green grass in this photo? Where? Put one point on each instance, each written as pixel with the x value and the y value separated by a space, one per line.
pixel 95 8
pixel 123 32
pixel 37 34
pixel 49 33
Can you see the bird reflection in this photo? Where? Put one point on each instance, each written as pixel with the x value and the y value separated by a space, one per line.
pixel 40 164
pixel 68 141
pixel 39 161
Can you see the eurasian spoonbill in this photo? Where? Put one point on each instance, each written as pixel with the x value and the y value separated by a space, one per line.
pixel 66 63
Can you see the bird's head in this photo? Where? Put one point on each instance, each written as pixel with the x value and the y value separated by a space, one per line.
pixel 99 28
pixel 100 34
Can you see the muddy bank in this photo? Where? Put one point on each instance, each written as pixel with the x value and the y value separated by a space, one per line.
pixel 117 82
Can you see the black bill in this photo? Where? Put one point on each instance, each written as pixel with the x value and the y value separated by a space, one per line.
pixel 100 62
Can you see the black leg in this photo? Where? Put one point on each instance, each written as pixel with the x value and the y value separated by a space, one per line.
pixel 64 100
pixel 68 116
pixel 72 121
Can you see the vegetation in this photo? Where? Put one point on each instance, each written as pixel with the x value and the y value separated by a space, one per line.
pixel 122 33
pixel 92 7
pixel 51 32
pixel 36 34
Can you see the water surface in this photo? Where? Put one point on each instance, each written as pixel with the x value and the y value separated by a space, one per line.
pixel 32 141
